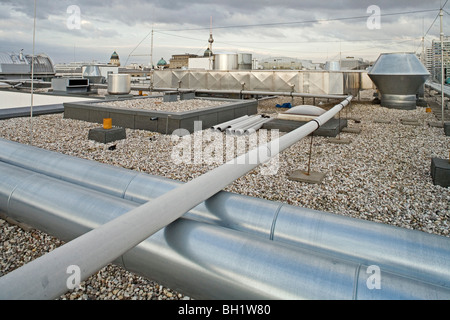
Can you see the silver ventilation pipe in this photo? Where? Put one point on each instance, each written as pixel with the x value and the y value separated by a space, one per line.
pixel 200 260
pixel 419 254
pixel 257 93
pixel 128 230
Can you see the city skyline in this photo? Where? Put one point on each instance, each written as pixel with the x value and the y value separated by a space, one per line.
pixel 311 30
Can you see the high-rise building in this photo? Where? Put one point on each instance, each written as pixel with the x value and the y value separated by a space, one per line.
pixel 427 59
pixel 436 59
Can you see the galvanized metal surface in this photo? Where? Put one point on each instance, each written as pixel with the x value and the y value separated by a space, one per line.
pixel 201 260
pixel 128 230
pixel 226 61
pixel 398 77
pixel 305 81
pixel 119 83
pixel 271 220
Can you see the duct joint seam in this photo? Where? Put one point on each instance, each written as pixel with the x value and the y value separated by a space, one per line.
pixel 318 122
pixel 274 221
pixel 15 188
pixel 127 186
pixel 355 284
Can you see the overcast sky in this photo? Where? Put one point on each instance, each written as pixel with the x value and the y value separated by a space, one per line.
pixel 309 29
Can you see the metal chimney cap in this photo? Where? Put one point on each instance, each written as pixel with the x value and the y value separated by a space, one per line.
pixel 403 63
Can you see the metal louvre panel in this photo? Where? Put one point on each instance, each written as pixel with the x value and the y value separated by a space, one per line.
pixel 282 80
pixel 261 80
pixel 230 81
pixel 198 80
pixel 306 81
pixel 215 80
pixel 366 82
pixel 182 76
pixel 318 83
pixel 162 79
pixel 351 82
pixel 336 84
pixel 240 78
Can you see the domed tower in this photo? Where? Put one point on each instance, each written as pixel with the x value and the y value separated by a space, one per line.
pixel 208 52
pixel 161 64
pixel 115 59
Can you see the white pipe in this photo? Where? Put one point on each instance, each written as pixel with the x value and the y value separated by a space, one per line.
pixel 239 128
pixel 46 277
pixel 257 126
pixel 243 124
pixel 223 126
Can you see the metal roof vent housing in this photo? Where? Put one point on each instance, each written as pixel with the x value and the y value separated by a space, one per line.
pixel 398 77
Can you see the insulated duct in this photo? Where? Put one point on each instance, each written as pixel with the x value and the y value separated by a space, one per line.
pixel 130 229
pixel 201 260
pixel 418 254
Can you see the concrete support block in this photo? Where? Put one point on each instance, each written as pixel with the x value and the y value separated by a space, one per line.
pixel 170 96
pixel 339 141
pixel 311 177
pixel 447 128
pixel 351 130
pixel 440 172
pixel 187 95
pixel 107 135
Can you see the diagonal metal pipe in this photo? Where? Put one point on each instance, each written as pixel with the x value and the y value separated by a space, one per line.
pixel 201 260
pixel 128 230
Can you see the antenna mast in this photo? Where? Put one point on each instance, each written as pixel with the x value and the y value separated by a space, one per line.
pixel 211 40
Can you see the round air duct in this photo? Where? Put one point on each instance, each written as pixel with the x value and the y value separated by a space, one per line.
pixel 398 77
pixel 119 83
pixel 226 61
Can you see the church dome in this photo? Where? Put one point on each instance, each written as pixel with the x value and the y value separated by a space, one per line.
pixel 162 62
pixel 207 53
pixel 115 56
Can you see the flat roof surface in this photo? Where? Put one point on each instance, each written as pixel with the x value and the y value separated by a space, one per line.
pixel 10 99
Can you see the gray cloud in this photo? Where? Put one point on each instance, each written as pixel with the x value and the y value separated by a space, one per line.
pixel 119 23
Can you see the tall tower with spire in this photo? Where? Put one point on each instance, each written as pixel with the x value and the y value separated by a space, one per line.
pixel 211 41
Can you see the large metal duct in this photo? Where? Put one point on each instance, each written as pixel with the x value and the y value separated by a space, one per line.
pixel 418 254
pixel 119 84
pixel 128 230
pixel 398 77
pixel 226 61
pixel 245 61
pixel 200 260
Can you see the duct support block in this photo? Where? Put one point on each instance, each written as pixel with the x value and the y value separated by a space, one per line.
pixel 339 141
pixel 187 95
pixel 435 124
pixel 107 135
pixel 440 172
pixel 447 128
pixel 382 121
pixel 330 129
pixel 356 119
pixel 410 122
pixel 351 130
pixel 302 176
pixel 170 96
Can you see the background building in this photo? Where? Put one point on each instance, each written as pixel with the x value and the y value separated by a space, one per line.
pixel 18 66
pixel 115 59
pixel 435 56
pixel 179 61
